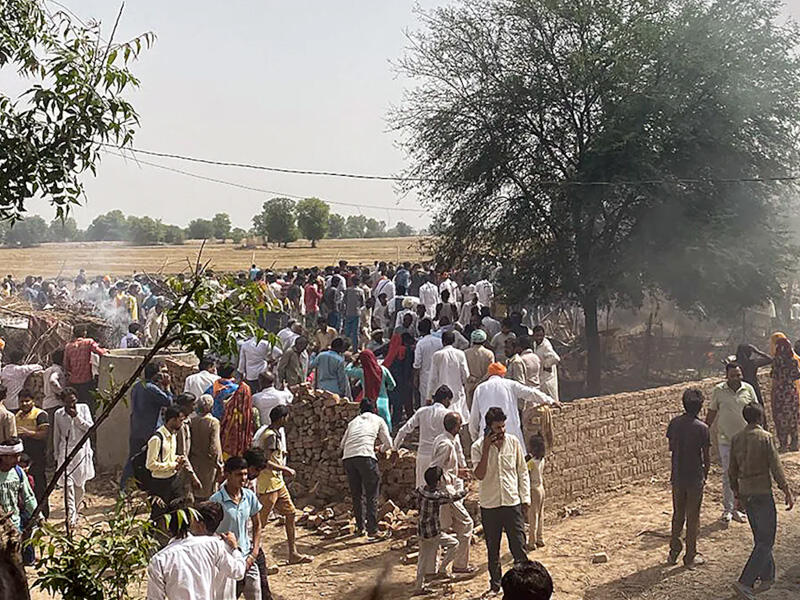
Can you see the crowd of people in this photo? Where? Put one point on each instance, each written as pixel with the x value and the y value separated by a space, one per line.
pixel 421 351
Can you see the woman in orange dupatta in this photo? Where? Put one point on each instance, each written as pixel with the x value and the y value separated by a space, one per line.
pixel 237 426
pixel 785 399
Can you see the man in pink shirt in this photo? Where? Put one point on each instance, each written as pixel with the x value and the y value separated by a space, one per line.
pixel 311 298
pixel 78 366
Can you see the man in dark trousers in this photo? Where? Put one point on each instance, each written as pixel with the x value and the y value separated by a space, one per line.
pixel 689 442
pixel 754 464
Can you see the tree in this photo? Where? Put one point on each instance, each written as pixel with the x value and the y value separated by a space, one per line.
pixel 238 234
pixel 522 105
pixel 200 229
pixel 276 221
pixel 71 100
pixel 402 230
pixel 30 231
pixel 355 227
pixel 312 219
pixel 222 226
pixel 374 228
pixel 335 226
pixel 172 234
pixel 111 226
pixel 65 230
pixel 144 231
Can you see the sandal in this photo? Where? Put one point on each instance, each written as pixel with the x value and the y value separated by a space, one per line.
pixel 465 571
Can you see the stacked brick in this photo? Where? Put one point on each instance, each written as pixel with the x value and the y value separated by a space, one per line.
pixel 602 443
pixel 317 423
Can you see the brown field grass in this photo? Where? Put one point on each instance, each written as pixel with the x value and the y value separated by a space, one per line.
pixel 117 258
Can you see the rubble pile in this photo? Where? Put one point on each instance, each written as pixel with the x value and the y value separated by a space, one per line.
pixel 335 521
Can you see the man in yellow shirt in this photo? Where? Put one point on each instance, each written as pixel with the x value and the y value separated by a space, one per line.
pixel 163 461
pixel 272 491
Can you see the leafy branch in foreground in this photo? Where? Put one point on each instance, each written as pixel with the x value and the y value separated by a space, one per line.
pixel 74 101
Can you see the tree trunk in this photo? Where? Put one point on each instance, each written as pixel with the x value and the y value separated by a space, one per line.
pixel 593 354
pixel 313 243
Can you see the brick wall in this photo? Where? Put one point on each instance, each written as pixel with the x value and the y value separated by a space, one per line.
pixel 601 443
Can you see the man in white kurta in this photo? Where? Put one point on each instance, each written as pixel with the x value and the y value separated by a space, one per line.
pixel 507 394
pixel 429 297
pixel 452 287
pixel 549 359
pixel 426 346
pixel 449 367
pixel 430 420
pixel 72 421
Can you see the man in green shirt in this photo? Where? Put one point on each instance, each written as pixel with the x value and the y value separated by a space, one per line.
pixel 727 401
pixel 754 463
pixel 14 483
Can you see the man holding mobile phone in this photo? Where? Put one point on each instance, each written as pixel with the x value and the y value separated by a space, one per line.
pixel 504 493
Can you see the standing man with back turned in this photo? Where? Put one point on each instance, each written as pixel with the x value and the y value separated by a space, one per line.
pixel 754 463
pixel 689 442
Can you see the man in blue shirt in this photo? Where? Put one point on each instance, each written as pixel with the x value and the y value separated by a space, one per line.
pixel 240 505
pixel 148 397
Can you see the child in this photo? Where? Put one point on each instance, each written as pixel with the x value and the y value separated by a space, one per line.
pixel 28 553
pixel 430 535
pixel 536 510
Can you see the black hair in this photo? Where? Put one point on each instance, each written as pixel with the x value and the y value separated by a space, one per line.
pixel 366 406
pixel 12 441
pixel 25 393
pixel 211 515
pixel 538 328
pixel 24 460
pixel 171 412
pixel 537 445
pixel 338 344
pixel 68 391
pixel 3 391
pixel 207 363
pixel 506 323
pixel 451 420
pixel 731 365
pixel 255 457
pixel 278 413
pixel 528 580
pixel 226 371
pixel 693 401
pixel 425 326
pixel 443 393
pixel 134 327
pixel 753 413
pixel 266 379
pixel 178 528
pixel 494 415
pixel 151 369
pixel 235 463
pixel 433 475
pixel 448 338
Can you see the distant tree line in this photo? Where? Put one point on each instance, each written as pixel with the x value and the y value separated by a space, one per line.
pixel 280 221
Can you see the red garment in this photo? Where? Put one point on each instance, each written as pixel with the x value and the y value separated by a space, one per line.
pixel 373 374
pixel 311 297
pixel 237 422
pixel 78 360
pixel 396 350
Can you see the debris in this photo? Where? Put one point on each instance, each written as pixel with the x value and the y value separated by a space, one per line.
pixel 600 558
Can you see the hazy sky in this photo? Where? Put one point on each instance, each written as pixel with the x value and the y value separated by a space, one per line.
pixel 303 84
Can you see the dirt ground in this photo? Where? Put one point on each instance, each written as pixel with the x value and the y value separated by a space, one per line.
pixel 631 525
pixel 117 258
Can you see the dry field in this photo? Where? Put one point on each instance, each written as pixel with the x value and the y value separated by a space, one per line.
pixel 117 258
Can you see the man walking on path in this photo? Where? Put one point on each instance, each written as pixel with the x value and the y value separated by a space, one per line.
pixel 449 367
pixel 754 464
pixel 689 441
pixel 504 493
pixel 727 402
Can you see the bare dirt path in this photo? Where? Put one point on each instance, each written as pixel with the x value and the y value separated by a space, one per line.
pixel 631 525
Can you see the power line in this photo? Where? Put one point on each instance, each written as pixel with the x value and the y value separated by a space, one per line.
pixel 257 189
pixel 220 163
pixel 542 182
